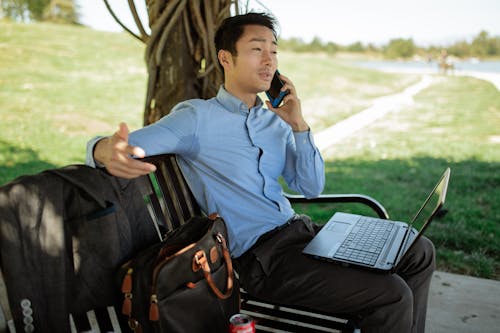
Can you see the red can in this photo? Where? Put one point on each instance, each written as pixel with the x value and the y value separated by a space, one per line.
pixel 241 323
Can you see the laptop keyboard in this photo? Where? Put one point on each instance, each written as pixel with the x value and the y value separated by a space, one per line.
pixel 365 241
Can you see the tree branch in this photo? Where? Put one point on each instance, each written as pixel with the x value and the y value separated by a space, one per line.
pixel 138 22
pixel 173 20
pixel 110 10
pixel 158 26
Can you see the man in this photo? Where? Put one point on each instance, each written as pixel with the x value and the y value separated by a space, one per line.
pixel 232 151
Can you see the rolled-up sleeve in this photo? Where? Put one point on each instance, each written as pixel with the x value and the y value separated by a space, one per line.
pixel 304 170
pixel 89 158
pixel 175 133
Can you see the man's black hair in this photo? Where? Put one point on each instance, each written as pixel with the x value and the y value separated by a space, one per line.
pixel 232 28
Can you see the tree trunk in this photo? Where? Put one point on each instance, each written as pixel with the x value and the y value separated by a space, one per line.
pixel 180 54
pixel 173 80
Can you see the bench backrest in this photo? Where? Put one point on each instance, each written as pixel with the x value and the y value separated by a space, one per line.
pixel 169 199
pixel 171 203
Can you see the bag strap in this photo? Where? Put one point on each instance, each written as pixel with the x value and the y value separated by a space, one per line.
pixel 200 260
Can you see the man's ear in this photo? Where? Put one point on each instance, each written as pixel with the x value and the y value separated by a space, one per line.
pixel 225 58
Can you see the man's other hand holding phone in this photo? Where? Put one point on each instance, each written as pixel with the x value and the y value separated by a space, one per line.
pixel 290 110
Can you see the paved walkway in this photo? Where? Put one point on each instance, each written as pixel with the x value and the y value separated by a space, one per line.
pixel 463 304
pixel 494 78
pixel 391 103
pixel 381 106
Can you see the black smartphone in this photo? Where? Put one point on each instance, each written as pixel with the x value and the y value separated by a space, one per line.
pixel 274 93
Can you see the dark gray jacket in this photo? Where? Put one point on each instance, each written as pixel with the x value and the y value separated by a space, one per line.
pixel 63 234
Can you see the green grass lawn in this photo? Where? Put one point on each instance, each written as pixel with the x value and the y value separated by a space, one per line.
pixel 331 91
pixel 398 160
pixel 61 85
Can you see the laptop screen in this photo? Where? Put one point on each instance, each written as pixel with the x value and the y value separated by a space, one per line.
pixel 433 203
pixel 429 209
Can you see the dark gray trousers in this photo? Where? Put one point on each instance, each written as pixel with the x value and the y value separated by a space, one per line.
pixel 276 270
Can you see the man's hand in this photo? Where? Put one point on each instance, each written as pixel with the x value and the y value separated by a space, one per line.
pixel 290 111
pixel 115 154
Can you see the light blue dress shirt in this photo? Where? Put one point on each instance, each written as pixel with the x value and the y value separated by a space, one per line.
pixel 232 158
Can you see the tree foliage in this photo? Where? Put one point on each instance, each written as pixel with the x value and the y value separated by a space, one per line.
pixel 355 47
pixel 482 46
pixel 400 48
pixel 63 11
pixel 40 10
pixel 316 45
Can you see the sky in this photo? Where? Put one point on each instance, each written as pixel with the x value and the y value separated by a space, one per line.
pixel 344 22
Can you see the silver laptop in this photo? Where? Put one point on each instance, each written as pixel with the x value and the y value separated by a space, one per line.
pixel 374 243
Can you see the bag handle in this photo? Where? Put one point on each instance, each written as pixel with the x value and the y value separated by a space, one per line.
pixel 200 258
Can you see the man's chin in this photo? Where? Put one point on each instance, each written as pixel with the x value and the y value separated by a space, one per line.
pixel 265 87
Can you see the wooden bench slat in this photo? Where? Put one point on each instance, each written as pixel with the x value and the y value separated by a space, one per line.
pixel 301 317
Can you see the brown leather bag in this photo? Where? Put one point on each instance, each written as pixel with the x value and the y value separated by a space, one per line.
pixel 184 283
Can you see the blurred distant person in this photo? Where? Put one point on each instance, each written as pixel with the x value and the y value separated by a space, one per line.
pixel 444 64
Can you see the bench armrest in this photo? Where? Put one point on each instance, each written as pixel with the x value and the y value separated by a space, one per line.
pixel 342 198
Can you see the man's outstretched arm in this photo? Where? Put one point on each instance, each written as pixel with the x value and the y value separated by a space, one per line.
pixel 115 153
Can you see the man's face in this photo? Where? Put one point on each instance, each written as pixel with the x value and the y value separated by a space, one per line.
pixel 251 70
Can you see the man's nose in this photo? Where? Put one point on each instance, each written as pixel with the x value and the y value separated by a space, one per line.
pixel 267 58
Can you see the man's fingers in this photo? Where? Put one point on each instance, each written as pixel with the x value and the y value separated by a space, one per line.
pixel 128 174
pixel 121 160
pixel 284 78
pixel 125 157
pixel 288 84
pixel 288 98
pixel 131 169
pixel 123 131
pixel 137 151
pixel 121 142
pixel 270 106
pixel 141 167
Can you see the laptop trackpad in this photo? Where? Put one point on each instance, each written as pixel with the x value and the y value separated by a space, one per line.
pixel 336 234
pixel 338 228
pixel 328 240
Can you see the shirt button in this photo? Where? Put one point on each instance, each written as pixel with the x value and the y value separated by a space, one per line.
pixel 27 311
pixel 29 328
pixel 25 303
pixel 27 320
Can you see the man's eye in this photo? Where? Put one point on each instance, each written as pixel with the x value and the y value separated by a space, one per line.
pixel 256 49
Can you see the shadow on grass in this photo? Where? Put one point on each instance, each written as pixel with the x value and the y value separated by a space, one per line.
pixel 467 237
pixel 17 161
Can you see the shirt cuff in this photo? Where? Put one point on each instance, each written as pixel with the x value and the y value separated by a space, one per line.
pixel 304 141
pixel 89 159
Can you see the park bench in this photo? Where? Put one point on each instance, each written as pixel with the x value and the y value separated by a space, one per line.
pixel 171 203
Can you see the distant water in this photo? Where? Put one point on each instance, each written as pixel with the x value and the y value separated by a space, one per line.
pixel 477 66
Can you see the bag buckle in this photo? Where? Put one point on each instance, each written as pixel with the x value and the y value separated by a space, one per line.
pixel 220 238
pixel 200 261
pixel 133 324
pixel 200 258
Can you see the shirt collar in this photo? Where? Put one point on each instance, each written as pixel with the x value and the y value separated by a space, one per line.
pixel 233 103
